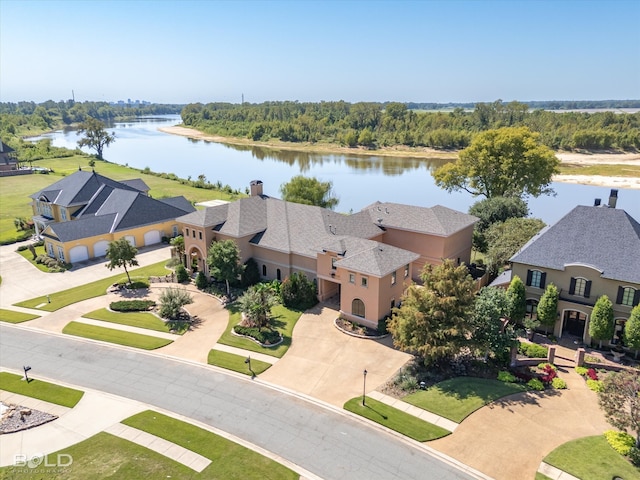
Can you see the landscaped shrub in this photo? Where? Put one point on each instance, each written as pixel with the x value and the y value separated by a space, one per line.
pixel 558 383
pixel 506 377
pixel 621 442
pixel 265 336
pixel 547 365
pixel 182 274
pixel 409 383
pixel 299 292
pixel 202 281
pixel 171 302
pixel 595 385
pixel 250 275
pixel 582 371
pixel 532 350
pixel 535 384
pixel 132 305
pixel 382 325
pixel 634 456
pixel 549 372
pixel 592 374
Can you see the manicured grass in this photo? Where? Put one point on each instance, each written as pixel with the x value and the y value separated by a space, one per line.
pixel 540 476
pixel 90 290
pixel 135 319
pixel 591 458
pixel 229 460
pixel 15 317
pixel 605 169
pixel 111 335
pixel 283 320
pixel 49 392
pixel 458 397
pixel 15 191
pixel 395 419
pixel 236 363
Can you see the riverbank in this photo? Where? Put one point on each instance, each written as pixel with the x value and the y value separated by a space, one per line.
pixel 567 158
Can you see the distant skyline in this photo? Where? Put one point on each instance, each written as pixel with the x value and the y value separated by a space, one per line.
pixel 407 51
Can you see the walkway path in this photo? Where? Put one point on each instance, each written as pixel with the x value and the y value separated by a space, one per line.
pixel 246 353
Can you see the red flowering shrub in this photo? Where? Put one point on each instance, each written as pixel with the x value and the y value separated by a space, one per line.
pixel 591 373
pixel 549 373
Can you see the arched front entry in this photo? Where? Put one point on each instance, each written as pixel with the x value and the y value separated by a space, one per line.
pixel 196 261
pixel 357 307
pixel 573 323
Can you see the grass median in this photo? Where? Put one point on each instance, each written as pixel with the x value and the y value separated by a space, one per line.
pixel 49 392
pixel 458 397
pixel 10 316
pixel 395 419
pixel 111 335
pixel 137 319
pixel 237 363
pixel 283 319
pixel 89 290
pixel 591 458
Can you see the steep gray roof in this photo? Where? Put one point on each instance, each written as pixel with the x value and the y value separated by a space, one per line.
pixel 437 220
pixel 607 239
pixel 136 183
pixel 373 258
pixel 77 229
pixel 178 202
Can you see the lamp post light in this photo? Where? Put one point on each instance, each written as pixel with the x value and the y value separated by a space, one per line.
pixel 26 377
pixel 364 385
pixel 248 362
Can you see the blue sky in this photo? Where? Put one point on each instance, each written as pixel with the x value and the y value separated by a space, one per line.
pixel 421 51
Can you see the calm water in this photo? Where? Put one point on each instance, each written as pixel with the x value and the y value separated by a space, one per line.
pixel 357 180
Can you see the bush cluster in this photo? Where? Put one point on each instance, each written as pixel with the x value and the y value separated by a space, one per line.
pixel 535 384
pixel 265 336
pixel 202 281
pixel 136 283
pixel 558 383
pixel 595 385
pixel 621 442
pixel 507 377
pixel 132 305
pixel 532 350
pixel 182 274
pixel 299 292
pixel 53 264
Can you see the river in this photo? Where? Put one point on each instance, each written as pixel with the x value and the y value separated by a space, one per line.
pixel 357 180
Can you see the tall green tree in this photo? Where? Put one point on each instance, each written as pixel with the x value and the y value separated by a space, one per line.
pixel 178 245
pixel 517 300
pixel 494 210
pixel 491 334
pixel 601 326
pixel 224 262
pixel 620 400
pixel 121 253
pixel 256 304
pixel 632 330
pixel 506 238
pixel 548 306
pixel 309 191
pixel 503 162
pixel 433 321
pixel 95 136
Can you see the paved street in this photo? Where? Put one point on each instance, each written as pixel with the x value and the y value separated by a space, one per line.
pixel 322 440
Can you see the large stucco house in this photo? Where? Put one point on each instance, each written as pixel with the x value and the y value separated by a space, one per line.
pixel 590 252
pixel 79 215
pixel 366 259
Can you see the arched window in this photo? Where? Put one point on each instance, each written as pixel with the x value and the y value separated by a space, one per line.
pixel 357 307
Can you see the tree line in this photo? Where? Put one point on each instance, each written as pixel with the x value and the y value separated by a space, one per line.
pixel 373 125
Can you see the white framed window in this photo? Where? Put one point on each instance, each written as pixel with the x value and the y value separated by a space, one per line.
pixel 628 294
pixel 581 283
pixel 333 263
pixel 61 254
pixel 536 278
pixel 50 249
pixel 63 214
pixel 352 278
pixel 174 230
pixel 406 270
pixel 393 278
pixel 364 281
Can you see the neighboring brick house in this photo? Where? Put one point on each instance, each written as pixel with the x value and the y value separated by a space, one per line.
pixel 79 215
pixel 591 251
pixel 8 160
pixel 366 259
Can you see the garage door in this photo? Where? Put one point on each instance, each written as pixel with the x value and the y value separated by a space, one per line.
pixel 78 254
pixel 151 238
pixel 100 248
pixel 131 239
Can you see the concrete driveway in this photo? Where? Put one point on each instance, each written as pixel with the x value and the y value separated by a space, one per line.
pixel 327 364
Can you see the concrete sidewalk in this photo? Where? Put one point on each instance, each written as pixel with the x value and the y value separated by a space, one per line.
pixel 128 328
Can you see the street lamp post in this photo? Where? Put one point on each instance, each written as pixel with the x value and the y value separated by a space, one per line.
pixel 248 362
pixel 364 385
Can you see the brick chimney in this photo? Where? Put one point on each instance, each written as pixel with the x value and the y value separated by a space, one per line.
pixel 613 198
pixel 256 188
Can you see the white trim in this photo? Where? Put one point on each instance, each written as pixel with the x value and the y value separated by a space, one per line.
pixel 586 265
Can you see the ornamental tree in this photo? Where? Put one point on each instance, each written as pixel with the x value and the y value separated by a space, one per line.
pixel 433 321
pixel 507 162
pixel 95 135
pixel 517 299
pixel 121 253
pixel 224 261
pixel 491 334
pixel 620 400
pixel 601 326
pixel 632 330
pixel 548 306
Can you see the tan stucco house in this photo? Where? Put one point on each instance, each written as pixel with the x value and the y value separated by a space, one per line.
pixel 591 251
pixel 79 215
pixel 365 259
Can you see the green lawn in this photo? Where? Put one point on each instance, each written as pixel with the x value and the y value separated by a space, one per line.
pixel 15 317
pixel 236 363
pixel 49 392
pixel 111 335
pixel 15 191
pixel 395 419
pixel 458 397
pixel 90 290
pixel 229 460
pixel 134 319
pixel 283 319
pixel 591 458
